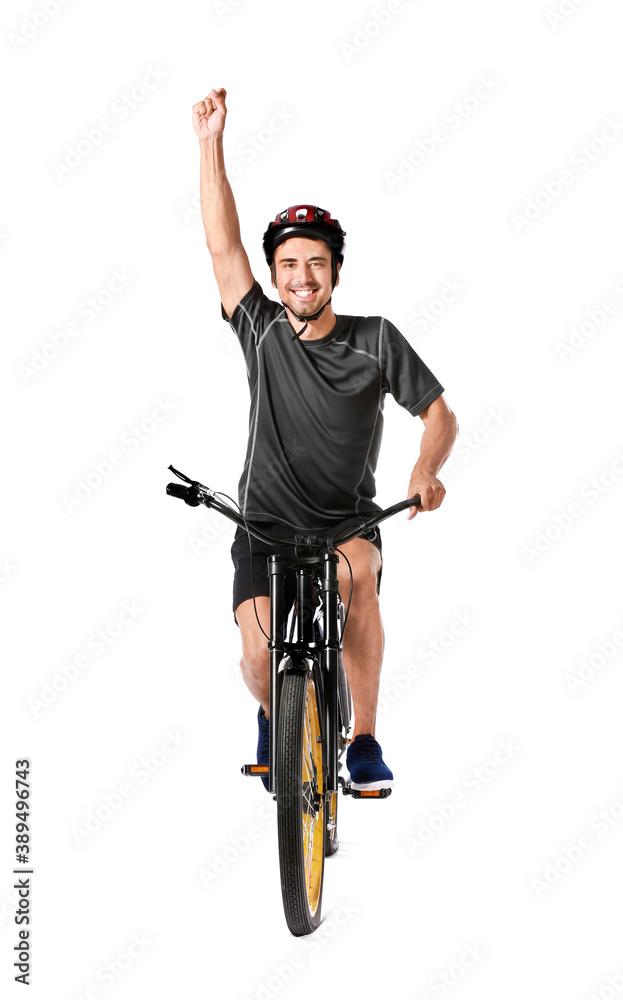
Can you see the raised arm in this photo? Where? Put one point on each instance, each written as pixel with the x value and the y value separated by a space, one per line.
pixel 218 208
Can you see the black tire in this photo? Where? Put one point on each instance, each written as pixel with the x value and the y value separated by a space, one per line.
pixel 301 818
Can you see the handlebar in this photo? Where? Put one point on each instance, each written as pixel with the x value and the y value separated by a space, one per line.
pixel 196 493
pixel 185 493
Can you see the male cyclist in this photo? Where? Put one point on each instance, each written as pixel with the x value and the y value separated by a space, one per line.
pixel 317 383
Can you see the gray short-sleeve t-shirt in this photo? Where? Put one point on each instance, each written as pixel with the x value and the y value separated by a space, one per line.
pixel 316 417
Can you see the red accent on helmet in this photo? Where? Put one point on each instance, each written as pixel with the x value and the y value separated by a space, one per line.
pixel 303 213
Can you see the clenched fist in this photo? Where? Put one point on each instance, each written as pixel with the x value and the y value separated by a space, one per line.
pixel 209 115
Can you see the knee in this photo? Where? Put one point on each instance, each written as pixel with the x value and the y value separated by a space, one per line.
pixel 255 658
pixel 365 585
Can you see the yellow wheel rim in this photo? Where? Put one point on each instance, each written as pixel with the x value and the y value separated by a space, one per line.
pixel 313 802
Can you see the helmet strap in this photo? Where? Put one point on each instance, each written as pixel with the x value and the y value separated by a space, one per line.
pixel 307 319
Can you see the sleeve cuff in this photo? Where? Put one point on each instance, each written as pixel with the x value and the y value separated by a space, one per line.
pixel 429 398
pixel 254 290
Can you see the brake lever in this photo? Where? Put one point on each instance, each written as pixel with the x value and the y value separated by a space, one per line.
pixel 180 475
pixel 196 485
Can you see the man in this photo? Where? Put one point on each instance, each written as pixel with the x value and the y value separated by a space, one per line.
pixel 317 385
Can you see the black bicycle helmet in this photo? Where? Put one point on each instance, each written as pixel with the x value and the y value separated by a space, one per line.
pixel 310 222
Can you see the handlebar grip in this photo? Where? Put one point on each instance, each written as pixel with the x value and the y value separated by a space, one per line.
pixel 185 493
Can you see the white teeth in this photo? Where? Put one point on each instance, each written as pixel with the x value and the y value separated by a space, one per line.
pixel 303 294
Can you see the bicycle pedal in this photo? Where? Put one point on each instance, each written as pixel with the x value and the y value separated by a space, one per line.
pixel 251 770
pixel 366 793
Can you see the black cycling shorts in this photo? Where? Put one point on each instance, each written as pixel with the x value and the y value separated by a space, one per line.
pixel 243 570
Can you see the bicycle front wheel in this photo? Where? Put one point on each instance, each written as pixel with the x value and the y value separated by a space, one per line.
pixel 300 803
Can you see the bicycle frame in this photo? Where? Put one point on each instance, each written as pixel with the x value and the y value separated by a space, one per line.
pixel 304 651
pixel 307 683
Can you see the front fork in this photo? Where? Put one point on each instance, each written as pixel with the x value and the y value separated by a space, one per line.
pixel 328 653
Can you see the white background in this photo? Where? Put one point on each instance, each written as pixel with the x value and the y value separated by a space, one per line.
pixel 539 596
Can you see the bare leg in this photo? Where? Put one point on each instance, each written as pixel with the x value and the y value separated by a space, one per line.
pixel 255 663
pixel 364 639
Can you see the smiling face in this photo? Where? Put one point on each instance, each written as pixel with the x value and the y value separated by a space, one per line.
pixel 303 268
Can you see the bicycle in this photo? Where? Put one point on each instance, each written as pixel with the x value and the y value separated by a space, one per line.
pixel 310 705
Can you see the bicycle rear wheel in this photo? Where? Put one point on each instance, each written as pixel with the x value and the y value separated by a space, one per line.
pixel 300 803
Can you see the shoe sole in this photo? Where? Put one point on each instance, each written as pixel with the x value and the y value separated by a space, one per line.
pixel 370 786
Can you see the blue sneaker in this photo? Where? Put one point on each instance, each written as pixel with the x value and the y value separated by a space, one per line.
pixel 365 764
pixel 262 741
